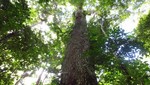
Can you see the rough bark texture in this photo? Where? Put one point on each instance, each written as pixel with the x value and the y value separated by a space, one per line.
pixel 75 68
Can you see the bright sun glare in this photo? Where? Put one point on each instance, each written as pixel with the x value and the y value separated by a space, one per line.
pixel 131 23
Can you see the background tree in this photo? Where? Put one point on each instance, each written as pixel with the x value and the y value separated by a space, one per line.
pixel 142 31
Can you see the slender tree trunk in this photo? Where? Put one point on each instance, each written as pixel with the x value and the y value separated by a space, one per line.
pixel 39 79
pixel 75 68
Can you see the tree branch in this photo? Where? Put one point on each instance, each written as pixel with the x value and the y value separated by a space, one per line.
pixel 9 35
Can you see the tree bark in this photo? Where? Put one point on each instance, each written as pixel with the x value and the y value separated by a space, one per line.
pixel 75 68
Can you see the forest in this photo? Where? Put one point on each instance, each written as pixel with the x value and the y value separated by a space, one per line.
pixel 74 42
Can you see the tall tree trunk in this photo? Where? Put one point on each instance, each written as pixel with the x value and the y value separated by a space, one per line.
pixel 75 68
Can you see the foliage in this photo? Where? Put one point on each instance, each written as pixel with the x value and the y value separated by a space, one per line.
pixel 13 15
pixel 116 62
pixel 25 47
pixel 19 45
pixel 143 31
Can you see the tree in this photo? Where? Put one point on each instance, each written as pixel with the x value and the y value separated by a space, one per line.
pixel 19 45
pixel 143 31
pixel 85 51
pixel 76 70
